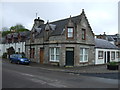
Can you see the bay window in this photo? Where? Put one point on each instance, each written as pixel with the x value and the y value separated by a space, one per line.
pixel 83 54
pixel 54 54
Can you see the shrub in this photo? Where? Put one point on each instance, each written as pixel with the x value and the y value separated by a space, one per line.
pixel 113 63
pixel 4 55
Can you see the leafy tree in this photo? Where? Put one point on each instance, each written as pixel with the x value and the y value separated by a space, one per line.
pixel 4 33
pixel 22 30
pixel 17 27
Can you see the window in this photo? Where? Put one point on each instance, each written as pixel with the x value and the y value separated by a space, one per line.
pixel 117 54
pixel 83 34
pixel 100 54
pixel 113 55
pixel 83 55
pixel 54 54
pixel 69 32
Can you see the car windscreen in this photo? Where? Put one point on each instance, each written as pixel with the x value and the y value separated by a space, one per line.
pixel 21 56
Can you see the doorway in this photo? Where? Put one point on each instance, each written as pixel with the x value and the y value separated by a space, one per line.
pixel 105 58
pixel 41 55
pixel 69 56
pixel 108 56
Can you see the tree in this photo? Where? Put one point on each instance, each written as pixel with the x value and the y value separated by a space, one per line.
pixel 4 33
pixel 17 27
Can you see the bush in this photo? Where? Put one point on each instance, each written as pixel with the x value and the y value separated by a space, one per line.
pixel 4 55
pixel 113 63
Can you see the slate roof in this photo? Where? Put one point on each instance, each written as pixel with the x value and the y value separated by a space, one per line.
pixel 104 44
pixel 15 35
pixel 58 26
pixel 9 35
pixel 25 33
pixel 110 38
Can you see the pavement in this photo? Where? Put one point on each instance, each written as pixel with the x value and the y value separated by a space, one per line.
pixel 91 70
pixel 80 69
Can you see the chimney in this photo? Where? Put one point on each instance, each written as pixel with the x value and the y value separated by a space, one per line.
pixel 104 33
pixel 38 21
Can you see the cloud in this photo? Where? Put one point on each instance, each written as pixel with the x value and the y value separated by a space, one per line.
pixel 101 16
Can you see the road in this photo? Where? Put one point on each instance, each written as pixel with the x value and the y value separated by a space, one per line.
pixel 26 76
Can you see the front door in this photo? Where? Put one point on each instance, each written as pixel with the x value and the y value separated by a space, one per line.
pixel 69 56
pixel 108 56
pixel 105 57
pixel 41 55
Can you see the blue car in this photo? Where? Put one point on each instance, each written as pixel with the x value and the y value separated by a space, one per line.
pixel 19 59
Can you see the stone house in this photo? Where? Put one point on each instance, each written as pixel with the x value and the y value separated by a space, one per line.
pixel 66 42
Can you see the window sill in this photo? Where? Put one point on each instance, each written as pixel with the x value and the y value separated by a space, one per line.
pixel 54 61
pixel 83 61
pixel 100 58
pixel 70 38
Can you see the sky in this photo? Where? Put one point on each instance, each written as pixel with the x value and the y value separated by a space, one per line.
pixel 102 15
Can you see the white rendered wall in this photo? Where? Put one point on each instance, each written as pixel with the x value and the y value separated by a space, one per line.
pixel 20 45
pixel 101 61
pixel 1 50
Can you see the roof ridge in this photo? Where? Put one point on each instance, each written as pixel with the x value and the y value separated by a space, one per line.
pixel 64 19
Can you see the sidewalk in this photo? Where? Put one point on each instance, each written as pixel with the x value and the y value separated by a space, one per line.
pixel 94 71
pixel 80 69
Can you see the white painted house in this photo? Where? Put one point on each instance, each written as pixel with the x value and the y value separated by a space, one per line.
pixel 15 40
pixel 1 50
pixel 105 52
pixel 19 47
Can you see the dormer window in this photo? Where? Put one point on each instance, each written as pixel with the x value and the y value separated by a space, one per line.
pixel 70 32
pixel 83 34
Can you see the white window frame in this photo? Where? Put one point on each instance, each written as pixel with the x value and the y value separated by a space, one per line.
pixel 112 57
pixel 117 54
pixel 100 54
pixel 55 54
pixel 84 54
pixel 83 34
pixel 70 32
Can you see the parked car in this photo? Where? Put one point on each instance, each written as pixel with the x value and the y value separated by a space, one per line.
pixel 19 59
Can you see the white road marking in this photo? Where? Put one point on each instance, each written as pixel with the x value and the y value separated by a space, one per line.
pixel 27 74
pixel 38 81
pixel 44 80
